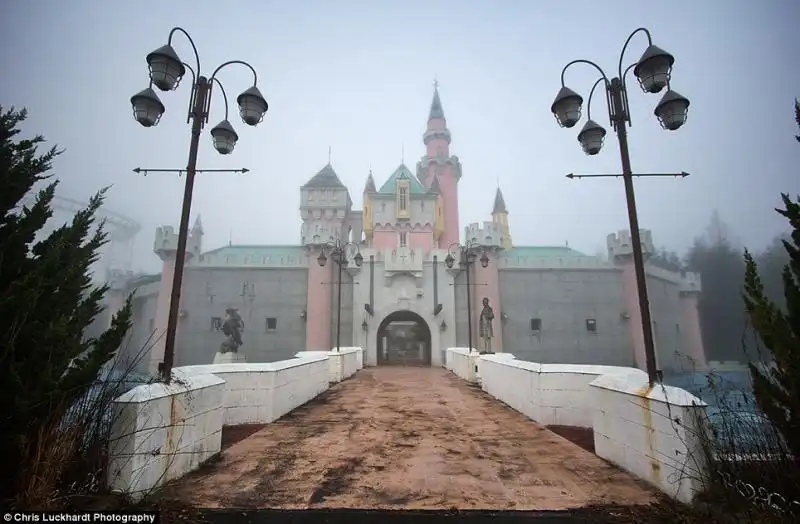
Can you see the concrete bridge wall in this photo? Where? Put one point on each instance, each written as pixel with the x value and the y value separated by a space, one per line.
pixel 161 432
pixel 649 431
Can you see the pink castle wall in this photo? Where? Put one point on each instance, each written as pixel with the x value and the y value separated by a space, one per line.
pixel 420 239
pixel 691 331
pixel 318 309
pixel 490 276
pixel 386 239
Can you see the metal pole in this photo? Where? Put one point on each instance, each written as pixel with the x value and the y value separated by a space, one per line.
pixel 198 117
pixel 469 299
pixel 339 302
pixel 618 111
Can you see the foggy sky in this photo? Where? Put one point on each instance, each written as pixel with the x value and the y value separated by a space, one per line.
pixel 356 76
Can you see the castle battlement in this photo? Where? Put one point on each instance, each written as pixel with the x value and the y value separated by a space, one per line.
pixel 165 244
pixel 690 283
pixel 490 235
pixel 620 245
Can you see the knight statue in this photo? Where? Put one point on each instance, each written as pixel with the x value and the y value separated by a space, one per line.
pixel 486 332
pixel 232 329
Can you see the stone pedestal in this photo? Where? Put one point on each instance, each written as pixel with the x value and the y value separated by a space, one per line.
pixel 229 358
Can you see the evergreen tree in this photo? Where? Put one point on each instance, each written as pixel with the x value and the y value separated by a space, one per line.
pixel 46 302
pixel 777 385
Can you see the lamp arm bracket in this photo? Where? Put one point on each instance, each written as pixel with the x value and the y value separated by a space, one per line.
pixel 191 42
pixel 625 47
pixel 241 62
pixel 583 61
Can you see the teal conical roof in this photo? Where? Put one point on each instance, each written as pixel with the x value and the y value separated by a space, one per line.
pixel 402 173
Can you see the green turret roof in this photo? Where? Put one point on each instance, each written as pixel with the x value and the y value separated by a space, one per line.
pixel 402 173
pixel 436 106
pixel 370 185
pixel 326 178
pixel 499 203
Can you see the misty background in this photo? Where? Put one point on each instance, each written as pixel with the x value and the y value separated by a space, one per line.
pixel 355 78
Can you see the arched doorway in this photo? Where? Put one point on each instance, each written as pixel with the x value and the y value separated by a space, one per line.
pixel 404 339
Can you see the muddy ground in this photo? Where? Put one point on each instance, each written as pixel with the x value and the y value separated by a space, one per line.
pixel 410 438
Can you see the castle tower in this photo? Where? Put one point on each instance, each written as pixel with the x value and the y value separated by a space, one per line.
pixel 324 207
pixel 438 163
pixel 500 217
pixel 165 246
pixel 620 251
pixel 369 190
pixel 691 334
pixel 487 280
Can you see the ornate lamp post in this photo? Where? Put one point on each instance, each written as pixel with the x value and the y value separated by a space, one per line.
pixel 340 252
pixel 653 71
pixel 166 72
pixel 467 255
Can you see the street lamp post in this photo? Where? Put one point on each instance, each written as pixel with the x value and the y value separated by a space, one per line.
pixel 340 252
pixel 653 71
pixel 166 72
pixel 467 255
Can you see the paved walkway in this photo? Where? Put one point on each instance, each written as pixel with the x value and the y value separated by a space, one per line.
pixel 412 438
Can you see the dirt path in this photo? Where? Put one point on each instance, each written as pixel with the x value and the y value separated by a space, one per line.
pixel 416 438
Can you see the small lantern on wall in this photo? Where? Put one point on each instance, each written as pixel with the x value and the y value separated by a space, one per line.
pixel 303 314
pixel 364 325
pixel 443 326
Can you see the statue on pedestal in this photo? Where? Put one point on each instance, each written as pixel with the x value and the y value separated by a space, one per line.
pixel 232 329
pixel 485 330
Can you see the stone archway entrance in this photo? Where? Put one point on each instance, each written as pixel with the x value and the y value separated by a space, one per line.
pixel 404 339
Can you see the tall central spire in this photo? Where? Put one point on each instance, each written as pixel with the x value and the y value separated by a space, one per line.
pixel 436 105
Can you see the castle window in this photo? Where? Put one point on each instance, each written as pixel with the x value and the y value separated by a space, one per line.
pixel 272 323
pixel 311 195
pixel 403 239
pixel 536 324
pixel 403 199
pixel 591 325
pixel 216 323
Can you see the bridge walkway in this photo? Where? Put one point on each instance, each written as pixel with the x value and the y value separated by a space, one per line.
pixel 410 438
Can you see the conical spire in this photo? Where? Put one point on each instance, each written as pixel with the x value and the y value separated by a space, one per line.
pixel 436 104
pixel 499 203
pixel 198 225
pixel 369 187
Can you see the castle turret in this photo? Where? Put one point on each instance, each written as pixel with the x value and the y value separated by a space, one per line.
pixel 369 190
pixel 620 252
pixel 324 207
pixel 487 279
pixel 438 163
pixel 691 332
pixel 438 219
pixel 165 245
pixel 500 217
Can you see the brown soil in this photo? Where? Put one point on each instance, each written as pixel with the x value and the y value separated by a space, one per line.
pixel 406 438
pixel 583 437
pixel 233 434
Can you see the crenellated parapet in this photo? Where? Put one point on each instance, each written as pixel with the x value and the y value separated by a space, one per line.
pixel 118 279
pixel 165 244
pixel 690 284
pixel 489 235
pixel 320 232
pixel 427 161
pixel 620 245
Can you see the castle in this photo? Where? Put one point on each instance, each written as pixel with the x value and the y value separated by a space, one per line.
pixel 551 304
